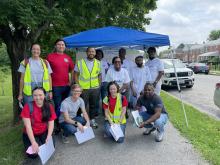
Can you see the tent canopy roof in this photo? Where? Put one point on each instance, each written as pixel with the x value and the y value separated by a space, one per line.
pixel 116 36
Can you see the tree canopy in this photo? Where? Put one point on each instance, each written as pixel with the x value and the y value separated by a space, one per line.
pixel 214 35
pixel 25 22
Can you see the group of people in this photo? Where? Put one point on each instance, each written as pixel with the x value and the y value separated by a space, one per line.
pixel 77 88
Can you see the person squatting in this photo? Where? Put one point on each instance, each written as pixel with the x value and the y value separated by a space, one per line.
pixel 61 97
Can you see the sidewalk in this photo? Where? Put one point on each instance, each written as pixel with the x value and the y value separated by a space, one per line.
pixel 136 150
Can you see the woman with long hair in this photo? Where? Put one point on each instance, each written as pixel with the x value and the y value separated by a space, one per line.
pixel 114 106
pixel 38 117
pixel 35 72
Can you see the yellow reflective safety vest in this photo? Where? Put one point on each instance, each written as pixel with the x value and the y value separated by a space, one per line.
pixel 27 78
pixel 88 79
pixel 115 116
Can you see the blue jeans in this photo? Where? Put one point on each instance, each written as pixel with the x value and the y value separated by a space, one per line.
pixel 59 94
pixel 107 128
pixel 159 123
pixel 70 129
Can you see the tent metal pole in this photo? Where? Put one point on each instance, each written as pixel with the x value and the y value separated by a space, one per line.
pixel 179 90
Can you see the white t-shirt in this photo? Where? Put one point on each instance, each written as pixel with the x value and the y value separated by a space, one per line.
pixel 37 70
pixel 155 66
pixel 140 76
pixel 121 76
pixel 105 66
pixel 128 65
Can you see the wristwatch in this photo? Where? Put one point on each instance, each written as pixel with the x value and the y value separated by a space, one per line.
pixel 75 123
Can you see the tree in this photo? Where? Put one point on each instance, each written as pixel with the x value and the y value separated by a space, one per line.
pixel 214 35
pixel 24 22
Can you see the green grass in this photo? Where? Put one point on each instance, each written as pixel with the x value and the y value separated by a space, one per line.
pixel 11 146
pixel 203 131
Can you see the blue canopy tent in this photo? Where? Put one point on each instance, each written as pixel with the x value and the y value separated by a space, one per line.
pixel 112 36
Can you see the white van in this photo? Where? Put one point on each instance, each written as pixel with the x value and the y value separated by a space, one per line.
pixel 184 74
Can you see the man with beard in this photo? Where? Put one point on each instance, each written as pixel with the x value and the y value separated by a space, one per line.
pixel 156 69
pixel 155 117
pixel 88 76
pixel 140 74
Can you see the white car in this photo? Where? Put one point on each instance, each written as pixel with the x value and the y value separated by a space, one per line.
pixel 184 74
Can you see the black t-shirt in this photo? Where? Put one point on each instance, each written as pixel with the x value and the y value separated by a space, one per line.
pixel 151 103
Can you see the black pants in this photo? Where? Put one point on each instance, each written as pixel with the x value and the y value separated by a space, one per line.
pixel 91 97
pixel 40 139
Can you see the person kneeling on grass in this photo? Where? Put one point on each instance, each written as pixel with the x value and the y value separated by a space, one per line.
pixel 38 117
pixel 114 106
pixel 155 115
pixel 69 120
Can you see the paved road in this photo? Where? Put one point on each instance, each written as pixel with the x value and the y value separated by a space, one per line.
pixel 201 95
pixel 136 150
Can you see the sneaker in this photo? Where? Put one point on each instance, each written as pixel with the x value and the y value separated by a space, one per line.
pixel 159 136
pixel 65 139
pixel 93 123
pixel 149 130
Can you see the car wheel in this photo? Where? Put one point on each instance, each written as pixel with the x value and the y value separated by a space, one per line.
pixel 189 86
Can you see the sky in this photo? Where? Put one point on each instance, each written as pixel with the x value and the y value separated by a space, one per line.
pixel 185 21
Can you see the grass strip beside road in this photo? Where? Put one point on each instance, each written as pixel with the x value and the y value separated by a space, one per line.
pixel 203 131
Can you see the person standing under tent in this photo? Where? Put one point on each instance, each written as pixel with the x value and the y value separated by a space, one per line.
pixel 104 67
pixel 88 76
pixel 156 68
pixel 140 74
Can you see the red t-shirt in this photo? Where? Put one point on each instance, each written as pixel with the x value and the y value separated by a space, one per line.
pixel 61 65
pixel 38 126
pixel 112 102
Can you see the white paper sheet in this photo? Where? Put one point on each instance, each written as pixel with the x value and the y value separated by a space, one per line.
pixel 137 118
pixel 82 137
pixel 116 131
pixel 46 151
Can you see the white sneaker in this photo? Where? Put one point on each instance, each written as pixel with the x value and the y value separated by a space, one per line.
pixel 159 136
pixel 93 123
pixel 149 130
pixel 65 139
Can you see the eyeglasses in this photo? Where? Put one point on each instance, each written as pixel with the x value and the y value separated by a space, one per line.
pixel 77 91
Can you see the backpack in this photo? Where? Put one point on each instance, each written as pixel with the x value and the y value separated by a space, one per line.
pixel 26 61
pixel 31 108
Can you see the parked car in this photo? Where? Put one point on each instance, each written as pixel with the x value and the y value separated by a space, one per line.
pixel 184 74
pixel 199 68
pixel 217 95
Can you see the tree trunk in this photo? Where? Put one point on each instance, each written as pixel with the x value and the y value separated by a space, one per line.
pixel 16 49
